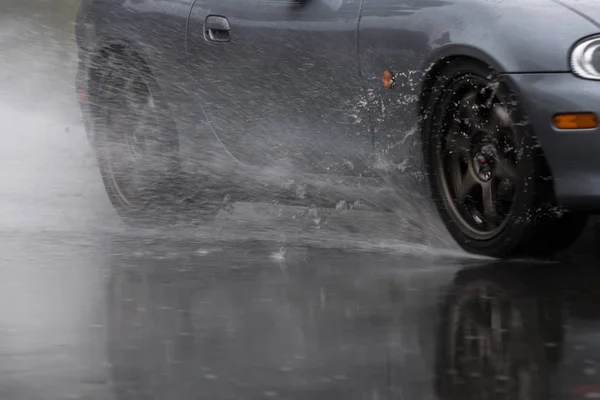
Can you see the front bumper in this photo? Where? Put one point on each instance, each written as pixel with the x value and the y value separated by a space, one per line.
pixel 572 155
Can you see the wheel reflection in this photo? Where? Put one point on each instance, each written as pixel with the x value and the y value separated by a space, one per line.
pixel 500 334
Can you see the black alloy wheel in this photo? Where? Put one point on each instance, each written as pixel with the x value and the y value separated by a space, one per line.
pixel 479 158
pixel 486 169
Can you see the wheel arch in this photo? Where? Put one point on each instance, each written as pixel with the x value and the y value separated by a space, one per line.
pixel 446 55
pixel 461 53
pixel 115 47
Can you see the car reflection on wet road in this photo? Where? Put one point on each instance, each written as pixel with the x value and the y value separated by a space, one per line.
pixel 237 323
pixel 141 317
pixel 325 324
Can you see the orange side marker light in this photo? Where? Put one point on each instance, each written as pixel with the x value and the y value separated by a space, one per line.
pixel 387 78
pixel 575 121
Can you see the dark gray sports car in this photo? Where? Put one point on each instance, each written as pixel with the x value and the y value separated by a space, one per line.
pixel 344 102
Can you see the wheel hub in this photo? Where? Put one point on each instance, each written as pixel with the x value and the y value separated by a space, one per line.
pixel 483 162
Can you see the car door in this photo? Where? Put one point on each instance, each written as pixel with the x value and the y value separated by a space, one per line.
pixel 279 82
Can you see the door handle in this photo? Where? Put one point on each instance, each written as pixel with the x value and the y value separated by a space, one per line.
pixel 217 29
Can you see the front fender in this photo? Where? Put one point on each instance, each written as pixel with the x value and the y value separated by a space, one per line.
pixel 511 36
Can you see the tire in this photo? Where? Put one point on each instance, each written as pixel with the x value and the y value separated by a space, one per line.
pixel 137 147
pixel 486 170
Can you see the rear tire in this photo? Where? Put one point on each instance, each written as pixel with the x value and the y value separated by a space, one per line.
pixel 486 170
pixel 137 147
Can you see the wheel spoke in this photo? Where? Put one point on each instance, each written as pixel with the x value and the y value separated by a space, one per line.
pixel 471 110
pixel 455 172
pixel 488 194
pixel 491 129
pixel 466 186
pixel 500 115
pixel 458 142
pixel 497 120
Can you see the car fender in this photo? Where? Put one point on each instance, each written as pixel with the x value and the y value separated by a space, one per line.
pixel 509 36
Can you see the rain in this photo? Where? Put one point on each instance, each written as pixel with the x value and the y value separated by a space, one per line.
pixel 295 287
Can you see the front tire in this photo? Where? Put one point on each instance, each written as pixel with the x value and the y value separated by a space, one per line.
pixel 486 170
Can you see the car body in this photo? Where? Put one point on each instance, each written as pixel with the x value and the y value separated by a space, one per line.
pixel 292 90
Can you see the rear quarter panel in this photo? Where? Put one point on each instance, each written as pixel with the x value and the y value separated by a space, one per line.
pixel 155 30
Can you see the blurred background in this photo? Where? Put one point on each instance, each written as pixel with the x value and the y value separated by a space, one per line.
pixel 37 39
pixel 48 176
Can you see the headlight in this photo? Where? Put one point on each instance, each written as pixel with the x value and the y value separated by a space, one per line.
pixel 585 58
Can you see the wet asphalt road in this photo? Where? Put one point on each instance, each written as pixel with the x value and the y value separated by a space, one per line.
pixel 130 315
pixel 266 301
